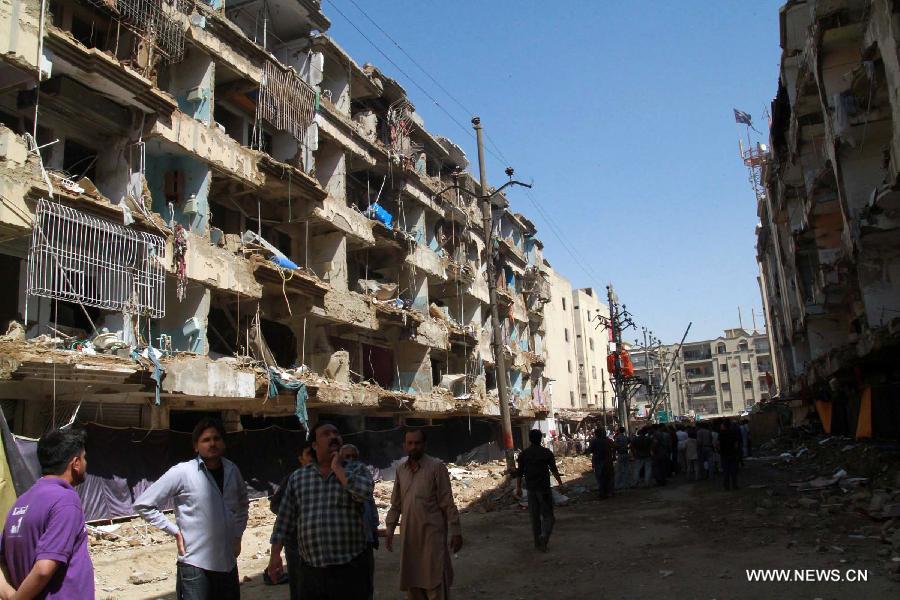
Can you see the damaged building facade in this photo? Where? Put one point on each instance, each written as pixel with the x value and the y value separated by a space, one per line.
pixel 202 214
pixel 828 242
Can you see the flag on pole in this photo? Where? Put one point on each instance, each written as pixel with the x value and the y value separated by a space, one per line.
pixel 742 117
pixel 745 119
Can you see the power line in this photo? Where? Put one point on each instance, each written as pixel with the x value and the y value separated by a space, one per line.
pixel 440 86
pixel 400 69
pixel 496 153
pixel 557 233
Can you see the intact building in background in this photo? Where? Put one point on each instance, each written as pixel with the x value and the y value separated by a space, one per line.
pixel 577 346
pixel 828 241
pixel 720 377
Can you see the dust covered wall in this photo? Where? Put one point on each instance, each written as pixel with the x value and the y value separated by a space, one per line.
pixel 328 258
pixel 190 81
pixel 414 368
pixel 184 181
pixel 187 335
pixel 331 170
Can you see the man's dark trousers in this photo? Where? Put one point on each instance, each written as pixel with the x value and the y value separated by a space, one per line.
pixel 194 583
pixel 292 556
pixel 730 470
pixel 349 581
pixel 540 508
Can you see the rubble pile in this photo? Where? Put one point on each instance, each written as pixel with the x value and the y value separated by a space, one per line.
pixel 846 490
pixel 483 487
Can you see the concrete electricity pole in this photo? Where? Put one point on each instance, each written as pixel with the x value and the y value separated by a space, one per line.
pixel 497 340
pixel 618 388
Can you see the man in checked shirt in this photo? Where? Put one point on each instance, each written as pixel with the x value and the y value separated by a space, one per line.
pixel 323 507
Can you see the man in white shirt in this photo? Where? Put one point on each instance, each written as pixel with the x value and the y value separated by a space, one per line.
pixel 211 505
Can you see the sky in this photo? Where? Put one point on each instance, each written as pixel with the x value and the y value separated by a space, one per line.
pixel 621 116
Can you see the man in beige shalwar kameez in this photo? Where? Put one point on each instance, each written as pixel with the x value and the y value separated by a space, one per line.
pixel 423 496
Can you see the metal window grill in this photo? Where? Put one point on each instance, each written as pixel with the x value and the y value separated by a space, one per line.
pixel 154 20
pixel 286 102
pixel 80 258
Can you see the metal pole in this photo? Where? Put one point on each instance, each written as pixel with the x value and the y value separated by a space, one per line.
pixel 648 360
pixel 497 340
pixel 674 358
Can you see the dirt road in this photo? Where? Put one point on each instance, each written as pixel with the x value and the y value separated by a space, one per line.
pixel 685 540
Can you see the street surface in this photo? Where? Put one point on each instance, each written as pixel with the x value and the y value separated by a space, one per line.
pixel 685 541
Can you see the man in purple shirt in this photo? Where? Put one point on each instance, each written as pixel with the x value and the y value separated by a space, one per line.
pixel 44 545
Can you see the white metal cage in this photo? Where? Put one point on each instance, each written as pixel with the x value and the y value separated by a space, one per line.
pixel 80 258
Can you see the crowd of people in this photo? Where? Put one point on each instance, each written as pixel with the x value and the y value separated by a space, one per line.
pixel 326 522
pixel 658 452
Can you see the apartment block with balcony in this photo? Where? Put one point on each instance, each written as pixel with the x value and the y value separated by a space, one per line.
pixel 720 377
pixel 827 241
pixel 201 214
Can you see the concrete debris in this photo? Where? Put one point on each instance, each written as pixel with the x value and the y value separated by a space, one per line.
pixel 338 367
pixel 15 332
pixel 378 290
pixel 141 578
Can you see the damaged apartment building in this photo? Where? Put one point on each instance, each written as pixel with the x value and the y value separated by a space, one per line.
pixel 206 208
pixel 828 242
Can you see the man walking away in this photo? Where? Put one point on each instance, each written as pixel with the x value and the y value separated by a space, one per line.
pixel 423 496
pixel 691 455
pixel 745 439
pixel 660 450
pixel 210 516
pixel 641 447
pixel 323 508
pixel 623 469
pixel 535 465
pixel 291 552
pixel 601 449
pixel 350 453
pixel 730 451
pixel 682 435
pixel 705 450
pixel 44 545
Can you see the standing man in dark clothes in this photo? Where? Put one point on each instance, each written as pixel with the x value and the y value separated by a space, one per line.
pixel 641 448
pixel 661 443
pixel 305 456
pixel 730 451
pixel 44 544
pixel 602 452
pixel 623 469
pixel 350 453
pixel 705 450
pixel 535 465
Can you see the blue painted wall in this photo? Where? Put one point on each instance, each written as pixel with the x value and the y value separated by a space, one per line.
pixel 197 178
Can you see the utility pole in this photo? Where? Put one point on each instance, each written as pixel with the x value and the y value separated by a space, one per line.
pixel 497 340
pixel 615 324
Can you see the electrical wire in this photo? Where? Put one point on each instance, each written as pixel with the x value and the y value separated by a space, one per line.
pixel 468 130
pixel 428 75
pixel 496 152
